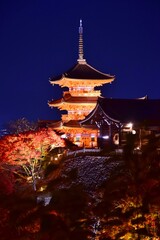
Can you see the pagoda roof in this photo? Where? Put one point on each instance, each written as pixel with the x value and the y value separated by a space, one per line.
pixel 128 110
pixel 72 124
pixel 74 100
pixel 83 71
pixel 75 124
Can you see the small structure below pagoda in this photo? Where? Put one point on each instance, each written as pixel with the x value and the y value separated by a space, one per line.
pixel 80 99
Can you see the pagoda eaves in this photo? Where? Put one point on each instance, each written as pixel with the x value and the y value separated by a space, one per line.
pixel 74 100
pixel 84 74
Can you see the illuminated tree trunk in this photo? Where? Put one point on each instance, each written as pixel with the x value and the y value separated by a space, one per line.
pixel 33 181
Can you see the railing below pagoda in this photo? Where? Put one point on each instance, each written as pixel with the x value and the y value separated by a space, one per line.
pixel 84 93
pixel 82 151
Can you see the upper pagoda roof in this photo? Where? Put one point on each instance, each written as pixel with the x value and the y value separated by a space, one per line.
pixel 82 70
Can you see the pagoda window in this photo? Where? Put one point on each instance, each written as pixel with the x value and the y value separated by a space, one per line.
pixel 92 139
pixel 78 138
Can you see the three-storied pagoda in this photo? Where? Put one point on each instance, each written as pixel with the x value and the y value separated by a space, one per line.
pixel 80 99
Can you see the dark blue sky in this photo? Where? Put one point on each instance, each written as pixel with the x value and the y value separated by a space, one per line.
pixel 39 39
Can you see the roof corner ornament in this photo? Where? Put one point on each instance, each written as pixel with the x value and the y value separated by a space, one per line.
pixel 81 54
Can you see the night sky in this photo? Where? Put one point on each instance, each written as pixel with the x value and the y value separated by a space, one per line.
pixel 39 39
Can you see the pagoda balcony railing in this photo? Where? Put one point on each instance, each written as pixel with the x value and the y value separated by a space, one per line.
pixel 83 93
pixel 66 117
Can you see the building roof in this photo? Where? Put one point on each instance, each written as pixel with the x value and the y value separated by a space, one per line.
pixel 74 100
pixel 129 110
pixel 83 71
pixel 132 109
pixel 76 124
pixel 72 124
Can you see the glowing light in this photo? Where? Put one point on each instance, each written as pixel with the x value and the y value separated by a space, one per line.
pixel 106 137
pixel 129 125
pixel 93 135
pixel 133 131
pixel 63 136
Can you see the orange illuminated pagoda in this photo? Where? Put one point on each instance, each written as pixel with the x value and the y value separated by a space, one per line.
pixel 80 99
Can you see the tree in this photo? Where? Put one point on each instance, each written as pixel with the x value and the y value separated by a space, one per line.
pixel 20 125
pixel 130 206
pixel 25 152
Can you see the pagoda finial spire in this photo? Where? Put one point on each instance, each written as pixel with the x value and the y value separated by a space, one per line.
pixel 81 59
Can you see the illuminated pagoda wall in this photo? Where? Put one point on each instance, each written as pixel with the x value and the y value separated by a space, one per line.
pixel 80 99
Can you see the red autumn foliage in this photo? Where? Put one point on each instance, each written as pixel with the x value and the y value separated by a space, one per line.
pixel 21 148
